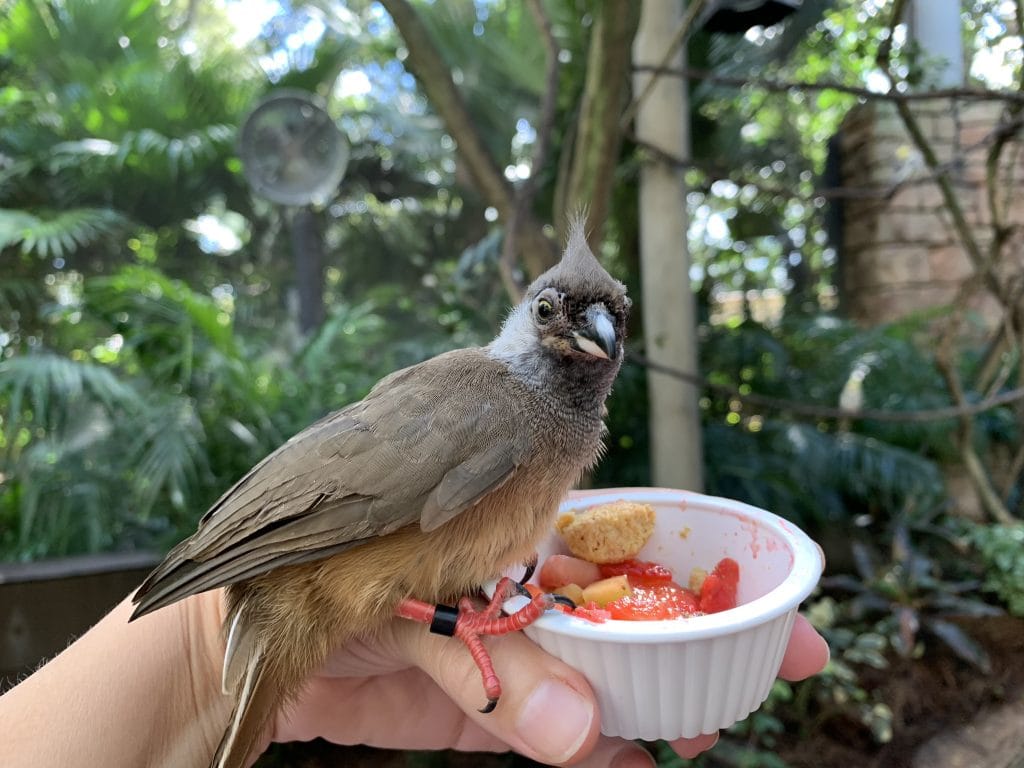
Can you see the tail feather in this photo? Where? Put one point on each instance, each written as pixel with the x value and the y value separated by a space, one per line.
pixel 257 696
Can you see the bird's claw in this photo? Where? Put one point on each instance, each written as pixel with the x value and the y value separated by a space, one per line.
pixel 489 706
pixel 562 600
pixel 521 590
pixel 531 566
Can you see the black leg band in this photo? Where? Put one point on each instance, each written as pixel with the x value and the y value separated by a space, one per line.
pixel 444 620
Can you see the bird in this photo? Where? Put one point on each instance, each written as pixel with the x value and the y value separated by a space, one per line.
pixel 446 474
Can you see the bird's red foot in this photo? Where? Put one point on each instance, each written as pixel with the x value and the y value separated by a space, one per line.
pixel 469 624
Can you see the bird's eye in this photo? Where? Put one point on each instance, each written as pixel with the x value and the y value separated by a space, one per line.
pixel 545 309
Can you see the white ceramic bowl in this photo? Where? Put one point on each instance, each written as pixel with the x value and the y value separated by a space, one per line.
pixel 684 677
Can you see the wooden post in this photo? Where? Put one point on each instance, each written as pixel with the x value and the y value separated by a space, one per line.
pixel 669 308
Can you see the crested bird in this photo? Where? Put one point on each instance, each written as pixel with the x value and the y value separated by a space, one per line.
pixel 446 474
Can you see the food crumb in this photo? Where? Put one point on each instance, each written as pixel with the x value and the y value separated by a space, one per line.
pixel 684 533
pixel 608 533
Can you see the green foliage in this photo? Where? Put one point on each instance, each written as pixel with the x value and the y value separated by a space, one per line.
pixel 915 591
pixel 838 690
pixel 57 233
pixel 143 374
pixel 912 600
pixel 74 433
pixel 1002 553
pixel 818 471
pixel 125 445
pixel 812 476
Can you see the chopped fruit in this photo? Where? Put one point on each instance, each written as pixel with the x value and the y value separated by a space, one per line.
pixel 606 577
pixel 638 571
pixel 606 590
pixel 637 590
pixel 563 569
pixel 718 592
pixel 592 612
pixel 653 602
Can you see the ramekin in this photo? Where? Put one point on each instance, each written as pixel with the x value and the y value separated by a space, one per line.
pixel 681 678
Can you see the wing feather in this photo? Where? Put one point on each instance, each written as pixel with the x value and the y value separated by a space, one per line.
pixel 426 444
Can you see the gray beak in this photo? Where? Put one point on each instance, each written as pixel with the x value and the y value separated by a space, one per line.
pixel 597 337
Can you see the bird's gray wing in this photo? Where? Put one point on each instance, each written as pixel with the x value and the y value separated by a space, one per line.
pixel 427 443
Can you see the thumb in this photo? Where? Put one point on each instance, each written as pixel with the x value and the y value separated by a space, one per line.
pixel 547 710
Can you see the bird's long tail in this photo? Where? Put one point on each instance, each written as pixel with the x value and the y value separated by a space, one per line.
pixel 256 695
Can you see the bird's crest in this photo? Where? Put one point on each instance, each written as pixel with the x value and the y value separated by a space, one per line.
pixel 578 266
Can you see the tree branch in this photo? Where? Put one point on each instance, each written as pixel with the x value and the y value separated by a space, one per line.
pixel 803 408
pixel 589 178
pixel 528 245
pixel 721 172
pixel 526 192
pixel 987 493
pixel 784 86
pixel 425 63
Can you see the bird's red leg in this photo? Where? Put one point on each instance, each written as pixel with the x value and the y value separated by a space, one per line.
pixel 469 624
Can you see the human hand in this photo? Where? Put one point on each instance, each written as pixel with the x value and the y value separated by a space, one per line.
pixel 414 690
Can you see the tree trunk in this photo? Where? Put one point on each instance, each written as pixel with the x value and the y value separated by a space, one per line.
pixel 669 315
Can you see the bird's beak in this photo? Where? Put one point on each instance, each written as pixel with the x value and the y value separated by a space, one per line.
pixel 597 337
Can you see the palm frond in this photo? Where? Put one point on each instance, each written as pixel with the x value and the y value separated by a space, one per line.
pixel 57 233
pixel 164 312
pixel 816 477
pixel 19 292
pixel 145 150
pixel 170 457
pixel 59 502
pixel 47 390
pixel 95 461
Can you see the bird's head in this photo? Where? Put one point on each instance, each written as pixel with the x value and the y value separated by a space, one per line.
pixel 575 310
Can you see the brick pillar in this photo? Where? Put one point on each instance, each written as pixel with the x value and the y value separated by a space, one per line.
pixel 900 254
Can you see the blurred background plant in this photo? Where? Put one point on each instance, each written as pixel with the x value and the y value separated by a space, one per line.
pixel 151 350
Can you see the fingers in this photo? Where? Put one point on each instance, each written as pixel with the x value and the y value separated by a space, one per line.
pixel 690 748
pixel 807 652
pixel 547 710
pixel 616 753
pixel 410 689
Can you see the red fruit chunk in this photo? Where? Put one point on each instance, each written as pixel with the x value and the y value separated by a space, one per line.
pixel 638 572
pixel 653 602
pixel 559 570
pixel 592 612
pixel 718 592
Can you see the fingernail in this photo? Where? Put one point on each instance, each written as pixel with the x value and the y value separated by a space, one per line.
pixel 632 756
pixel 555 721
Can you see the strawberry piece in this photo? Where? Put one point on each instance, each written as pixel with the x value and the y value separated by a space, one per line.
pixel 718 592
